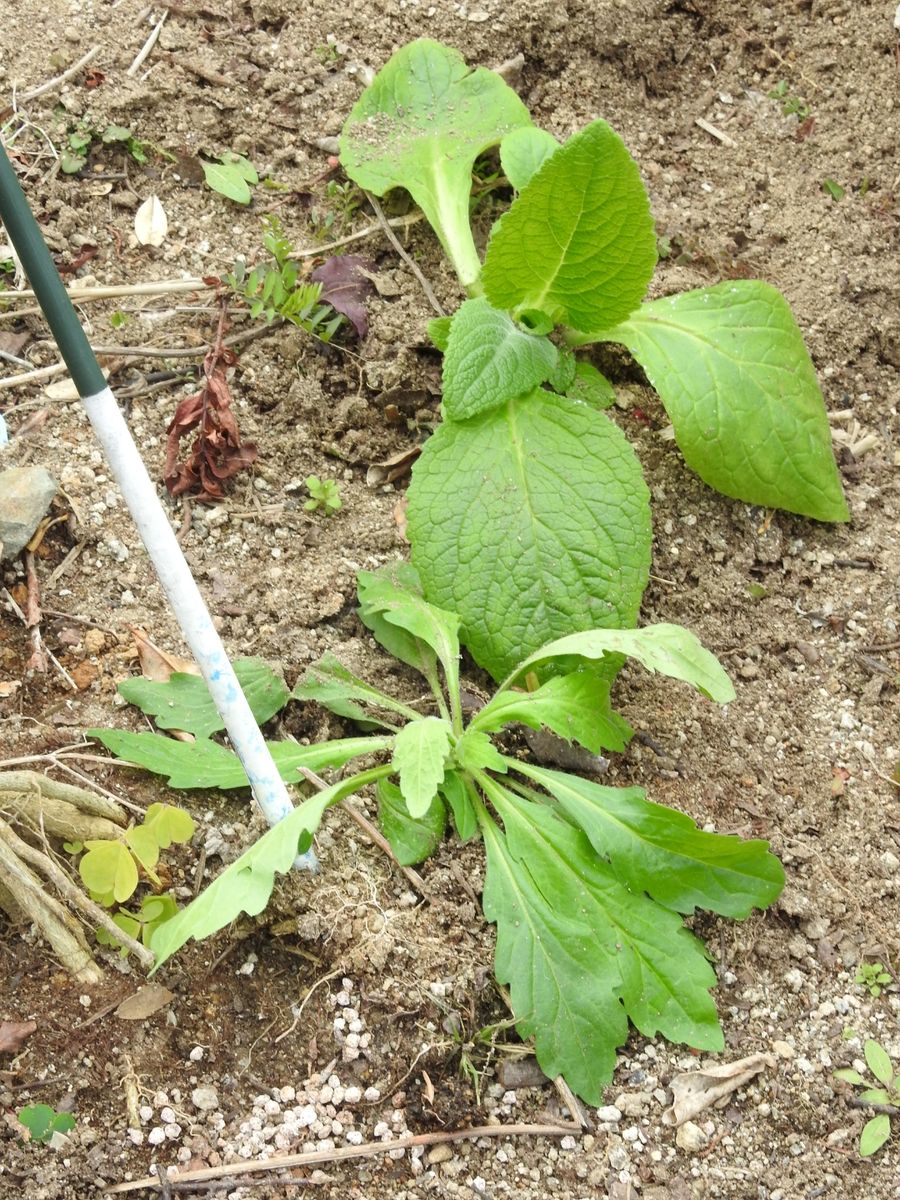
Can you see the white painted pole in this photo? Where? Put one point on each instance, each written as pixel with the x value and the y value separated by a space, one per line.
pixel 190 609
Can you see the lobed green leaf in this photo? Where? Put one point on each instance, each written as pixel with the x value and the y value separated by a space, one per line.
pixel 412 839
pixel 184 702
pixel 421 749
pixel 206 764
pixel 660 851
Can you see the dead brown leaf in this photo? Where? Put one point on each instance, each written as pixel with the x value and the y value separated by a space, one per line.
pixel 143 1003
pixel 693 1091
pixel 392 468
pixel 13 1034
pixel 159 665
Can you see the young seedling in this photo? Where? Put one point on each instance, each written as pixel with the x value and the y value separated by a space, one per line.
pixel 528 512
pixel 877 1130
pixel 587 884
pixel 274 288
pixel 324 494
pixel 42 1122
pixel 231 175
pixel 873 977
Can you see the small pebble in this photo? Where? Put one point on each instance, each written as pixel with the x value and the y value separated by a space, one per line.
pixel 609 1114
pixel 690 1137
pixel 207 1099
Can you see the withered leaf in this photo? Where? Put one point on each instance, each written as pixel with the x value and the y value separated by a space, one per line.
pixel 345 286
pixel 146 1001
pixel 217 452
pixel 13 1035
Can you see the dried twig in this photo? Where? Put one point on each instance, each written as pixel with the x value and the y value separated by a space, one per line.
pixel 367 1150
pixel 413 266
pixel 148 45
pixel 33 93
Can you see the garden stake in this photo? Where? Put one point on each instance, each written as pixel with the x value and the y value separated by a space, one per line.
pixel 143 503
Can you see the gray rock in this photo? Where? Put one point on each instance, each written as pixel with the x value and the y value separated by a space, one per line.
pixel 206 1098
pixel 25 495
pixel 515 1073
pixel 690 1137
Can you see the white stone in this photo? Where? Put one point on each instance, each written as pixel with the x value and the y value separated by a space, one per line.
pixel 690 1137
pixel 609 1114
pixel 206 1098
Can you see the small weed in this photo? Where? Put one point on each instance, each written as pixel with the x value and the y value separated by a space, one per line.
pixel 832 188
pixel 118 319
pixel 791 105
pixel 42 1122
pixel 231 175
pixel 274 288
pixel 324 494
pixel 873 977
pixel 340 202
pixel 82 136
pixel 876 1131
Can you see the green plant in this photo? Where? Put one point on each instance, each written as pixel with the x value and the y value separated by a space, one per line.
pixel 528 512
pixel 274 288
pixel 151 913
pixel 873 977
pixel 833 189
pixel 324 494
pixel 790 105
pixel 587 884
pixel 42 1122
pixel 231 176
pixel 877 1130
pixel 80 138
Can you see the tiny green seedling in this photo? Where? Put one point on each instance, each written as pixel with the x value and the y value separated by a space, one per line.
pixel 587 884
pixel 832 188
pixel 873 977
pixel 231 175
pixel 151 913
pixel 324 494
pixel 42 1122
pixel 791 105
pixel 79 140
pixel 877 1130
pixel 274 288
pixel 527 467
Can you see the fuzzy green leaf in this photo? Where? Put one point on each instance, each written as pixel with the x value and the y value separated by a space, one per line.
pixel 582 954
pixel 421 749
pixel 875 1096
pixel 412 840
pixel 662 852
pixel 737 381
pixel 388 595
pixel 575 706
pixel 578 242
pixel 530 520
pixel 206 764
pixel 523 152
pixel 490 360
pixel 669 649
pixel 875 1133
pixel 475 751
pixel 848 1075
pixel 108 867
pixel 420 125
pixel 184 702
pixel 591 387
pixel 247 884
pixel 456 796
pixel 878 1060
pixel 330 684
pixel 439 332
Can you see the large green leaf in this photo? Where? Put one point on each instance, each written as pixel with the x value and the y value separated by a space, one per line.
pixel 421 749
pixel 731 367
pixel 669 649
pixel 530 521
pixel 412 839
pixel 420 125
pixel 582 954
pixel 662 852
pixel 206 764
pixel 575 706
pixel 490 360
pixel 578 243
pixel 184 702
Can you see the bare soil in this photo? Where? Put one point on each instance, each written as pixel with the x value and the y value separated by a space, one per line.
pixel 805 616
